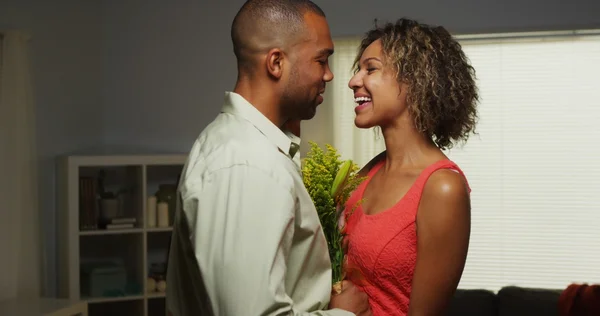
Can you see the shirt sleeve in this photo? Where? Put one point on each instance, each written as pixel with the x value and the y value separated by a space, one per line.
pixel 241 228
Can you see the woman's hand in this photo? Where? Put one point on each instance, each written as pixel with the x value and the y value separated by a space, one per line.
pixel 351 299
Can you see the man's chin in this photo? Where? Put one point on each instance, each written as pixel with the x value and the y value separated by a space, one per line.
pixel 308 116
pixel 310 113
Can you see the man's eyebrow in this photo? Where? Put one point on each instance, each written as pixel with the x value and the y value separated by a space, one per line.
pixel 326 52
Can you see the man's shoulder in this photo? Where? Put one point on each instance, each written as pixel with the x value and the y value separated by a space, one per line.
pixel 231 141
pixel 228 143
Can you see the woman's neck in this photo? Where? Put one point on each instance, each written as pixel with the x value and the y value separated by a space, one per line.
pixel 407 148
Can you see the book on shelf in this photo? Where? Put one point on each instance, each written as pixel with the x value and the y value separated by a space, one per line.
pixel 119 226
pixel 88 208
pixel 119 223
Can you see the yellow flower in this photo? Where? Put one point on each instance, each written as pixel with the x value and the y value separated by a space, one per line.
pixel 319 171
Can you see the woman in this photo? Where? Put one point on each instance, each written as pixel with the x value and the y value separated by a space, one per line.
pixel 408 223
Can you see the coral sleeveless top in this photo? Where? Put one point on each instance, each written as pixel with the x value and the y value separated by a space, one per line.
pixel 382 248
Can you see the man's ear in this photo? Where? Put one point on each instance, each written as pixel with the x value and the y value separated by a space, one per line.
pixel 275 59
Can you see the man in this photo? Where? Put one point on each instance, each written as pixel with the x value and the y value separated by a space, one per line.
pixel 247 238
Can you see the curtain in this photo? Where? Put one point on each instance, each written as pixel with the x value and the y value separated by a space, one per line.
pixel 19 213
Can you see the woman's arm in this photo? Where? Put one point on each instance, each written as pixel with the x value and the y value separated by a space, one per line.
pixel 443 230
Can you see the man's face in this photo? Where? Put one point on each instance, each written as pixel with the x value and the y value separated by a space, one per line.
pixel 309 70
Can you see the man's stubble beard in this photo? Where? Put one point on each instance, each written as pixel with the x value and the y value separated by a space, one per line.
pixel 295 102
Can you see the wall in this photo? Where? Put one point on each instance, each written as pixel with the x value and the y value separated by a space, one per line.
pixel 65 54
pixel 465 16
pixel 166 69
pixel 149 75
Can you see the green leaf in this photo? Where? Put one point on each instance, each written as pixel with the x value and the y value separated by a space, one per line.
pixel 330 182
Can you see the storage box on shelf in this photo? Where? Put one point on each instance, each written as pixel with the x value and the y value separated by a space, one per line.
pixel 115 222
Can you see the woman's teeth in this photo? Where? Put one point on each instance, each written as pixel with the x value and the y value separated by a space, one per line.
pixel 361 100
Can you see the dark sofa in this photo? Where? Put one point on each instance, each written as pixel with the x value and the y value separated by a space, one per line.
pixel 509 301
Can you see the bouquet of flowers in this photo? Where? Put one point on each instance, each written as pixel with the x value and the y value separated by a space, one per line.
pixel 329 182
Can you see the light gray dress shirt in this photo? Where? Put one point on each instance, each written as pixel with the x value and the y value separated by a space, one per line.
pixel 247 239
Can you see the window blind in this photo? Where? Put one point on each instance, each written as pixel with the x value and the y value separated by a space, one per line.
pixel 533 166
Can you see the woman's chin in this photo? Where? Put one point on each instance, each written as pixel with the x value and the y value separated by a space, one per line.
pixel 363 123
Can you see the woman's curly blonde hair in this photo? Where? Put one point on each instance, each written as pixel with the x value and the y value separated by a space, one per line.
pixel 442 94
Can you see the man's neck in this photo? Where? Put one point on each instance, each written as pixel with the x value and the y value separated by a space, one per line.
pixel 262 97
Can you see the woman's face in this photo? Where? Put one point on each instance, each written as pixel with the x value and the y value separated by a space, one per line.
pixel 380 99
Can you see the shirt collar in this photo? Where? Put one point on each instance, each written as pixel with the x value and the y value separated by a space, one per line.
pixel 236 104
pixel 295 143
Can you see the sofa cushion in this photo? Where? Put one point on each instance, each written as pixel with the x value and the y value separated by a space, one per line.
pixel 517 301
pixel 473 303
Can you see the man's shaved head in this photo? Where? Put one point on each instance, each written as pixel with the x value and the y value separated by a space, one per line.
pixel 282 49
pixel 261 25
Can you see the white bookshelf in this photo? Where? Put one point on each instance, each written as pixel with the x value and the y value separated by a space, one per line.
pixel 135 247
